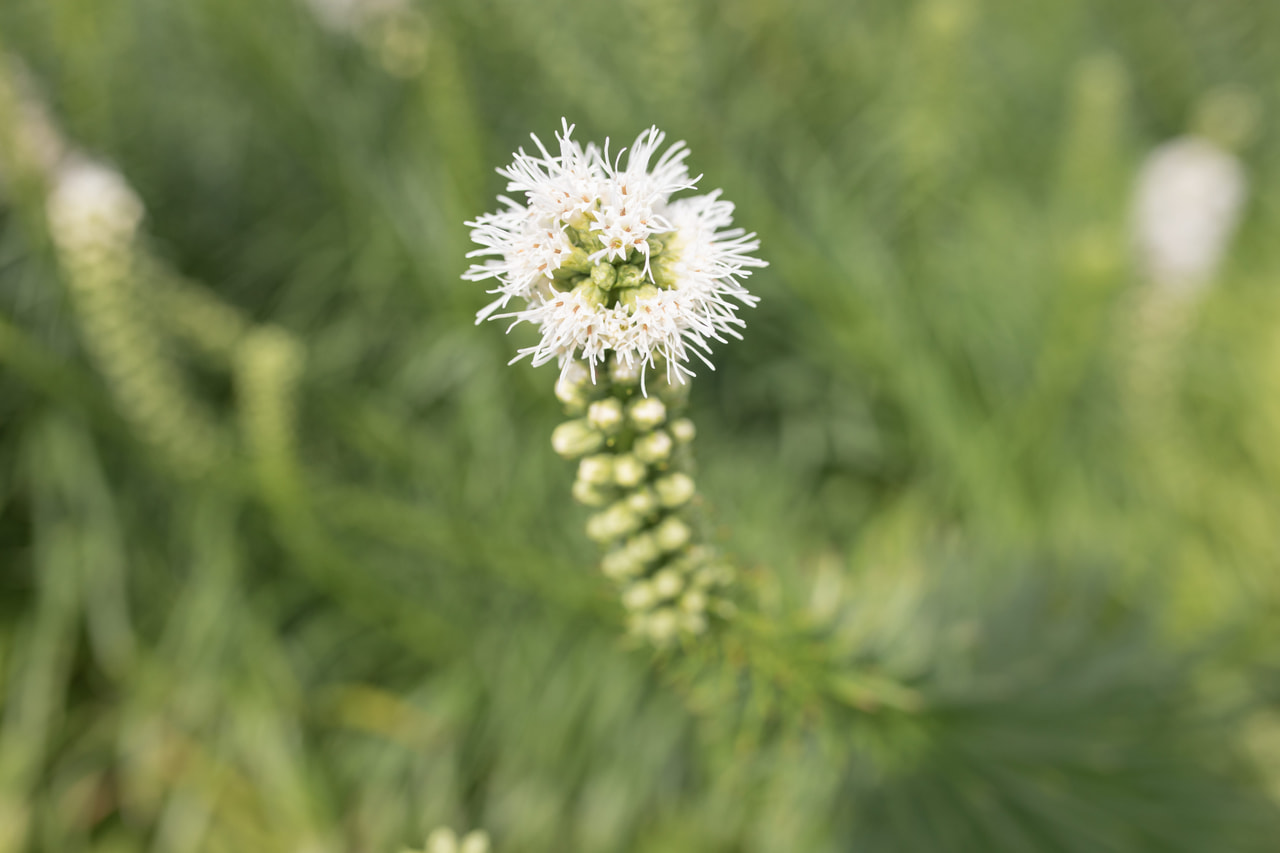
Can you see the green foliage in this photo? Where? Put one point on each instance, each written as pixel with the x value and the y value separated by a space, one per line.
pixel 287 561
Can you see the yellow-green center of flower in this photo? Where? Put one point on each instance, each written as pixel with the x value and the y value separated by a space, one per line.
pixel 621 281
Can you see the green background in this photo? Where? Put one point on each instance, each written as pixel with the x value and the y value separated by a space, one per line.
pixel 286 560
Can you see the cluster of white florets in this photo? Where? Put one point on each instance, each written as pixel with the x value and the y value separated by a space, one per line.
pixel 605 261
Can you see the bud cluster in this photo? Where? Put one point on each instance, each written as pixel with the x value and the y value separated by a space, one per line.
pixel 606 263
pixel 94 218
pixel 606 269
pixel 633 455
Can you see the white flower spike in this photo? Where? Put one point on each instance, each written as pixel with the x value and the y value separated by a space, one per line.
pixel 1188 201
pixel 605 261
pixel 445 840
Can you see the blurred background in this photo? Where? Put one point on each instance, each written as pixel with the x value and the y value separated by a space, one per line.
pixel 286 560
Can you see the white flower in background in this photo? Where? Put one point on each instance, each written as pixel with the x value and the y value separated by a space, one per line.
pixel 445 840
pixel 348 16
pixel 1188 201
pixel 395 32
pixel 91 205
pixel 32 137
pixel 604 261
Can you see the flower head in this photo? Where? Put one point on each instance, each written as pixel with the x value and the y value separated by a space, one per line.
pixel 1188 201
pixel 604 260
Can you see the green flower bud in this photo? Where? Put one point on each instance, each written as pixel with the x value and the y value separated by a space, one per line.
pixel 675 490
pixel 643 548
pixel 629 295
pixel 663 272
pixel 606 415
pixel 630 275
pixel 643 502
pixel 620 564
pixel 574 264
pixel 596 470
pixel 603 276
pixel 571 388
pixel 628 471
pixel 656 246
pixel 683 431
pixel 647 413
pixel 576 438
pixel 693 601
pixel 593 295
pixel 614 523
pixel 653 448
pixel 585 237
pixel 672 534
pixel 663 624
pixel 638 596
pixel 588 494
pixel 667 583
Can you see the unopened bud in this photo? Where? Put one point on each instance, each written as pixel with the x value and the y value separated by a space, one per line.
pixel 638 596
pixel 614 523
pixel 683 430
pixel 654 447
pixel 588 494
pixel 667 583
pixel 591 295
pixel 663 624
pixel 630 275
pixel 672 534
pixel 573 264
pixel 630 296
pixel 576 438
pixel 571 387
pixel 628 471
pixel 603 276
pixel 647 413
pixel 597 470
pixel 675 490
pixel 693 602
pixel 620 563
pixel 643 501
pixel 643 548
pixel 605 415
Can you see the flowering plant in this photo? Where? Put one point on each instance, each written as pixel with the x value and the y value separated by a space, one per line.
pixel 620 278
